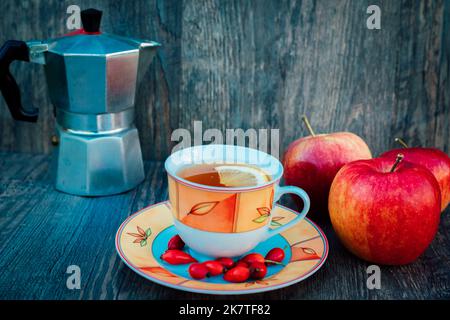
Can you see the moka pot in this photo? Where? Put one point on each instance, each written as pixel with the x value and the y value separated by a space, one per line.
pixel 92 79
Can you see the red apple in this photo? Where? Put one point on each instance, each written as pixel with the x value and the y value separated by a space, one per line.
pixel 433 159
pixel 312 162
pixel 383 212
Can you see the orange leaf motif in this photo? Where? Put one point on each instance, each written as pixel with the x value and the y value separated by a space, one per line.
pixel 136 235
pixel 261 282
pixel 202 208
pixel 308 251
pixel 263 211
pixel 159 271
pixel 261 219
pixel 141 231
pixel 303 254
pixel 142 236
pixel 275 223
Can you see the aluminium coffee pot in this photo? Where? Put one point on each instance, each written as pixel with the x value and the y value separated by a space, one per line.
pixel 92 78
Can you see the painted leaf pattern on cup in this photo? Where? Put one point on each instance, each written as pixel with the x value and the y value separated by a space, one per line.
pixel 264 213
pixel 275 223
pixel 202 208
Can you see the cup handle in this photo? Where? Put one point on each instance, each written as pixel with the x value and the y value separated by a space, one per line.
pixel 279 191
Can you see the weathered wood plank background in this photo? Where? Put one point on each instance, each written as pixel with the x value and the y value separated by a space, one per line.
pixel 261 64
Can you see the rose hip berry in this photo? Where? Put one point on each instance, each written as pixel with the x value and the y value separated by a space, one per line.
pixel 175 243
pixel 228 263
pixel 258 270
pixel 253 257
pixel 276 255
pixel 177 257
pixel 253 265
pixel 237 274
pixel 214 267
pixel 241 263
pixel 198 271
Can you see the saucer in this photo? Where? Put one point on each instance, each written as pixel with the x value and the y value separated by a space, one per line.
pixel 143 237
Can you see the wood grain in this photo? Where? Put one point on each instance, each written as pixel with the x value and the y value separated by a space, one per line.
pixel 43 231
pixel 261 64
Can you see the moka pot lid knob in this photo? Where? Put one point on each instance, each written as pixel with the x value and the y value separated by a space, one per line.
pixel 91 19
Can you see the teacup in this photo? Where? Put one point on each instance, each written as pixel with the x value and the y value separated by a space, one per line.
pixel 226 221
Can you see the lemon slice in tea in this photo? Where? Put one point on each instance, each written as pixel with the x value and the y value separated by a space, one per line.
pixel 241 176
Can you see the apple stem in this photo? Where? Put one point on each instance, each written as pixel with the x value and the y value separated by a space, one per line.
pixel 308 125
pixel 399 159
pixel 402 142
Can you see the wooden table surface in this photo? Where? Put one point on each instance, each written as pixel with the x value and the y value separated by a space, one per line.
pixel 43 231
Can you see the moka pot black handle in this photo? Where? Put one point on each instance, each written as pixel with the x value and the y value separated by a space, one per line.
pixel 10 51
